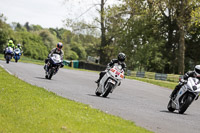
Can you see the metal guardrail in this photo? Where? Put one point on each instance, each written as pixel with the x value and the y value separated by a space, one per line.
pixel 140 74
pixel 153 75
pixel 160 76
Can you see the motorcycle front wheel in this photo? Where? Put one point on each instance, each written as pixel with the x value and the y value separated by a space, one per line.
pixel 108 88
pixel 49 74
pixel 7 60
pixel 185 103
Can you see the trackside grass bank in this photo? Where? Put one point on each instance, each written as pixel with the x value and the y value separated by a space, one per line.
pixel 27 108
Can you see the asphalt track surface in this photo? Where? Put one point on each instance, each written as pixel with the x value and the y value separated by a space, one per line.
pixel 143 103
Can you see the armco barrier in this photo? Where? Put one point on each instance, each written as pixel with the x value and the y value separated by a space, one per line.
pixel 140 74
pixel 153 75
pixel 128 72
pixel 160 76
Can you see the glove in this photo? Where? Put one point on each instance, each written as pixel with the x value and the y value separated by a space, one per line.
pixel 108 68
pixel 183 81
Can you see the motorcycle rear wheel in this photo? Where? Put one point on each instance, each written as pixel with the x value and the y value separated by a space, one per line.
pixel 97 93
pixel 169 106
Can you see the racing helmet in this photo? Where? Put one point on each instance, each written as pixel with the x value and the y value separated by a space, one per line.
pixel 10 42
pixel 197 70
pixel 121 57
pixel 59 45
pixel 18 45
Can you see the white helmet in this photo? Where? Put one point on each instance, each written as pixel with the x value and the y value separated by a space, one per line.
pixel 197 70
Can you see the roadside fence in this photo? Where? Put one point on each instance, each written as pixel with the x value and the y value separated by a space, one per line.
pixel 153 75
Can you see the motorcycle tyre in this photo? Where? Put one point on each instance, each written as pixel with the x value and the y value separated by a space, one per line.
pixel 187 101
pixel 97 93
pixel 169 106
pixel 110 87
pixel 7 60
pixel 50 74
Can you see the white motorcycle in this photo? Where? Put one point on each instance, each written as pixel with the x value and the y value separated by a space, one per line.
pixel 185 96
pixel 110 81
pixel 53 66
pixel 8 54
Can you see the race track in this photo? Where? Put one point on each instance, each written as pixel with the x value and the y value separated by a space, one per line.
pixel 143 103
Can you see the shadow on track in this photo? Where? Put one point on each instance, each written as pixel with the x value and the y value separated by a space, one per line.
pixel 166 111
pixel 40 77
pixel 97 96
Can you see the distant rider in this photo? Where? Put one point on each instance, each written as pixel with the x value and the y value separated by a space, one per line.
pixel 19 46
pixel 120 60
pixel 10 44
pixel 57 50
pixel 195 74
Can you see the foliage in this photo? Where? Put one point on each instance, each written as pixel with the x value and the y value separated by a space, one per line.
pixel 80 50
pixel 6 33
pixel 48 39
pixel 32 45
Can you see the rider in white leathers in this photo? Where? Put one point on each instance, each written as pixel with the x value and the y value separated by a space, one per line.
pixel 120 60
pixel 195 74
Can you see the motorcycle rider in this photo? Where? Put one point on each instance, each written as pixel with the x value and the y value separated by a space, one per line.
pixel 57 50
pixel 120 60
pixel 10 44
pixel 19 46
pixel 195 73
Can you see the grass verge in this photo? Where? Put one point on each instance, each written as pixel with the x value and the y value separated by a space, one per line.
pixel 27 108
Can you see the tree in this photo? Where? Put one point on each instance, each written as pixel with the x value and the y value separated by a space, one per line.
pixel 76 47
pixel 180 11
pixel 6 32
pixel 48 39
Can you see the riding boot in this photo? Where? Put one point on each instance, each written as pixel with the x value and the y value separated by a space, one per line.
pixel 98 80
pixel 175 91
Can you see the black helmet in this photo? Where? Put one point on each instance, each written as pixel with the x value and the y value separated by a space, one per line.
pixel 121 57
pixel 197 70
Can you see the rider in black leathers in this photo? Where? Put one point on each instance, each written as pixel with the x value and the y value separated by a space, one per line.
pixel 195 74
pixel 120 60
pixel 57 50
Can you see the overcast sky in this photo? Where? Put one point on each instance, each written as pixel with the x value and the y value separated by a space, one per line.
pixel 47 13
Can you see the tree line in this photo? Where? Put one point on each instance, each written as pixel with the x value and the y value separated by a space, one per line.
pixel 37 42
pixel 156 35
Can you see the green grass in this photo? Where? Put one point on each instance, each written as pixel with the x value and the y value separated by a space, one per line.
pixel 161 83
pixel 27 108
